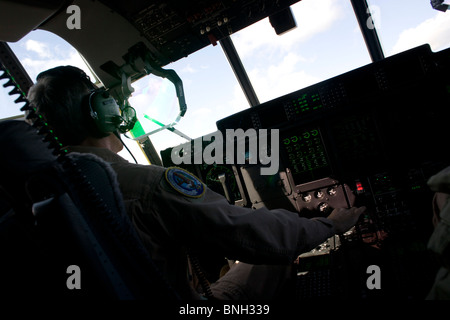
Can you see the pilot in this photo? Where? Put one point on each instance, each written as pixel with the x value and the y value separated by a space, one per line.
pixel 175 219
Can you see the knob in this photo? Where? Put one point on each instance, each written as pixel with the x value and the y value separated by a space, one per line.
pixel 331 191
pixel 323 206
pixel 306 197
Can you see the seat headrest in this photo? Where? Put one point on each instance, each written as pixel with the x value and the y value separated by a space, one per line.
pixel 22 148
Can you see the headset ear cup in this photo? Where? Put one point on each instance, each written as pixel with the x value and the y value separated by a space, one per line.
pixel 104 111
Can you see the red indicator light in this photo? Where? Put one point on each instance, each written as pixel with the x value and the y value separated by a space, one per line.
pixel 359 187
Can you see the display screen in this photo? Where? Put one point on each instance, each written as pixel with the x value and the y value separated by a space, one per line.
pixel 356 142
pixel 303 104
pixel 305 154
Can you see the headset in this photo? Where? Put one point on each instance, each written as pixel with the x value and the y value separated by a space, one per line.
pixel 107 115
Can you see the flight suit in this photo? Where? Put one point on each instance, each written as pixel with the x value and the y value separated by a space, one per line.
pixel 175 213
pixel 439 242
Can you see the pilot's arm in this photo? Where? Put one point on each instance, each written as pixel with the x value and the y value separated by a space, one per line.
pixel 205 219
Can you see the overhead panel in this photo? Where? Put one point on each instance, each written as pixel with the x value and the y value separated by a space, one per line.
pixel 178 28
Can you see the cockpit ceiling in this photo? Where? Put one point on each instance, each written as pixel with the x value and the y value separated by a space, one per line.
pixel 177 28
pixel 169 29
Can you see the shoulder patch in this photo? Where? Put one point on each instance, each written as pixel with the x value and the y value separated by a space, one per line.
pixel 185 182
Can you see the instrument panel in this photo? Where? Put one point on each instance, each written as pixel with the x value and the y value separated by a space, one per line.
pixel 372 137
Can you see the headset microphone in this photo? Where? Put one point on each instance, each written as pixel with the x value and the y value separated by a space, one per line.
pixel 128 119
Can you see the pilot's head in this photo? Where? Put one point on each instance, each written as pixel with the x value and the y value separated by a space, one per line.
pixel 60 95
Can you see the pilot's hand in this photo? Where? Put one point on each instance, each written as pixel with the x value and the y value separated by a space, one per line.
pixel 344 219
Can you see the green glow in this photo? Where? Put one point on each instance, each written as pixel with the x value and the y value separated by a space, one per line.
pixel 153 120
pixel 137 130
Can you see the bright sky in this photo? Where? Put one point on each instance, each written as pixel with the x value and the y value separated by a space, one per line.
pixel 327 42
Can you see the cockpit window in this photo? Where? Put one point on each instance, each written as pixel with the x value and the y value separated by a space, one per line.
pixel 403 26
pixel 211 90
pixel 38 51
pixel 41 50
pixel 326 42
